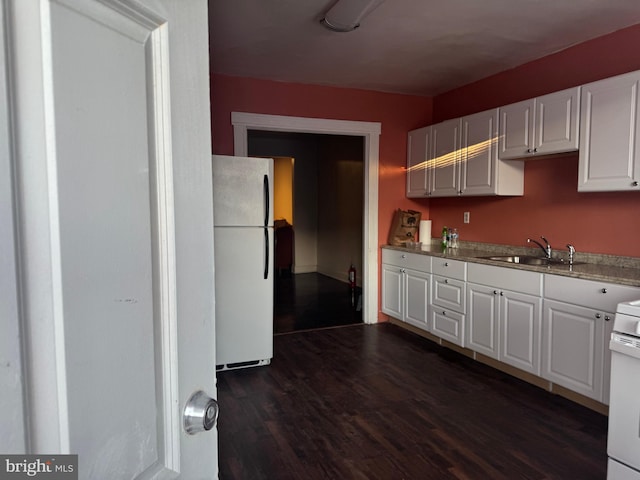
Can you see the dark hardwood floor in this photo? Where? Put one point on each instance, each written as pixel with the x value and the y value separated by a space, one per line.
pixel 378 402
pixel 307 301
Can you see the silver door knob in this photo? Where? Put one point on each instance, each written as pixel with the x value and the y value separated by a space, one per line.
pixel 200 413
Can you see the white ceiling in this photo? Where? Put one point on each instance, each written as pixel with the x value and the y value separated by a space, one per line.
pixel 421 47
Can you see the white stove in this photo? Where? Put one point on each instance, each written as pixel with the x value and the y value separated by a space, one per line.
pixel 623 444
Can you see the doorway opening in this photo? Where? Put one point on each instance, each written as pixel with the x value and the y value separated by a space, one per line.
pixel 318 224
pixel 243 123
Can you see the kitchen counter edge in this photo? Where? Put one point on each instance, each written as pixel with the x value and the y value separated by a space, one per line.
pixel 607 268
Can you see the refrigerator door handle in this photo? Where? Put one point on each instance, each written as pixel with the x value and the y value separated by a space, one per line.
pixel 266 253
pixel 266 200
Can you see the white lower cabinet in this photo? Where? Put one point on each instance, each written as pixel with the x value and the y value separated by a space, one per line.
pixel 503 323
pixel 576 329
pixel 448 301
pixel 447 324
pixel 482 323
pixel 552 326
pixel 405 286
pixel 573 347
pixel 520 323
pixel 392 290
pixel 416 298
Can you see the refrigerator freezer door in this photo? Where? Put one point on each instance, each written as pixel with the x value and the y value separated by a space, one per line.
pixel 244 297
pixel 242 191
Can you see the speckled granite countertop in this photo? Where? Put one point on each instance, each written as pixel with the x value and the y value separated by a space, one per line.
pixel 607 268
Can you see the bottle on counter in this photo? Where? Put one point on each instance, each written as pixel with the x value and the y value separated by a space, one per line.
pixel 445 236
pixel 453 241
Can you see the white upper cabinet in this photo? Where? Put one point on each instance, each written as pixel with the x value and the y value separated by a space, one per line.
pixel 609 135
pixel 417 153
pixel 481 172
pixel 540 126
pixel 444 163
pixel 459 157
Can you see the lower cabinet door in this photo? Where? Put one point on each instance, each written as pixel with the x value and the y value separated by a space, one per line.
pixel 572 347
pixel 447 324
pixel 392 290
pixel 416 289
pixel 481 326
pixel 520 325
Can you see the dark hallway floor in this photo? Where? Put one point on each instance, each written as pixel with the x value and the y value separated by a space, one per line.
pixel 308 301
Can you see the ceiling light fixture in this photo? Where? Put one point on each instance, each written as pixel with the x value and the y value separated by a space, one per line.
pixel 345 15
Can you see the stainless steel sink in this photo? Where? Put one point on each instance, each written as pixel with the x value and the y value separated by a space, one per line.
pixel 529 260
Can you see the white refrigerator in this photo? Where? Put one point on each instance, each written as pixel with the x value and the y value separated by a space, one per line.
pixel 243 248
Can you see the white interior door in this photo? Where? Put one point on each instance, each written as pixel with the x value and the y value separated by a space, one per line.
pixel 111 137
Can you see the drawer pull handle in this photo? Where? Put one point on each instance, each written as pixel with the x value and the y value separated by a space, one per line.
pixel 604 290
pixel 598 315
pixel 607 318
pixel 446 264
pixel 444 313
pixel 404 256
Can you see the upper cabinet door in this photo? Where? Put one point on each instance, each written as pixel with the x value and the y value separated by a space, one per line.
pixel 556 126
pixel 540 126
pixel 444 164
pixel 609 141
pixel 479 153
pixel 516 122
pixel 417 153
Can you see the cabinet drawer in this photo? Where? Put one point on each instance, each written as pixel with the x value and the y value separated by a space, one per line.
pixel 588 293
pixel 447 325
pixel 449 293
pixel 505 278
pixel 449 268
pixel 415 261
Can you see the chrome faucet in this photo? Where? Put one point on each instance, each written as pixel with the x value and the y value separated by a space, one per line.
pixel 546 250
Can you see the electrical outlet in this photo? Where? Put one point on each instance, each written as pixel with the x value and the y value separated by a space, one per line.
pixel 466 217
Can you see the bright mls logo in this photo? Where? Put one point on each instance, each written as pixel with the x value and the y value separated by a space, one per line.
pixel 51 467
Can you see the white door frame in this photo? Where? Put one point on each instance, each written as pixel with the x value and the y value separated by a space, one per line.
pixel 242 122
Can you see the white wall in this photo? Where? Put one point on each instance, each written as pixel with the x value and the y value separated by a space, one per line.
pixel 341 196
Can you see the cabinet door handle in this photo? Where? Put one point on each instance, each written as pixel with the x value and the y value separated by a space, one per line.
pixel 607 318
pixel 634 184
pixel 528 150
pixel 446 281
pixel 502 294
pixel 598 315
pixel 444 313
pixel 604 290
pixel 446 264
pixel 495 292
pixel 404 256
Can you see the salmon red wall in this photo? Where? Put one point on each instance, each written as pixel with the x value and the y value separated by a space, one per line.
pixel 397 113
pixel 593 222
